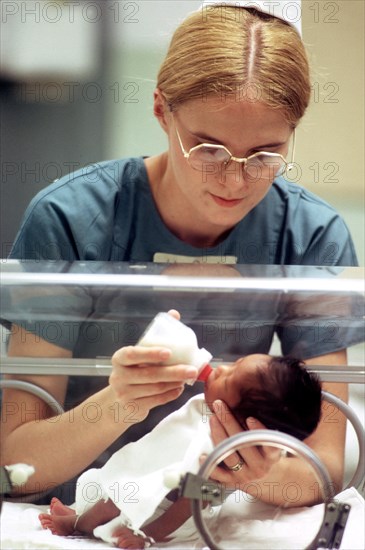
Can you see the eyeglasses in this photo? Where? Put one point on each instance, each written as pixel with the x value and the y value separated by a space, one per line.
pixel 260 165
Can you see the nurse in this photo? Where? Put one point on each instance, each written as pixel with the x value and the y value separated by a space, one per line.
pixel 230 93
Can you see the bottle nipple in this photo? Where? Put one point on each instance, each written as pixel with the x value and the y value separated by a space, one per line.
pixel 205 372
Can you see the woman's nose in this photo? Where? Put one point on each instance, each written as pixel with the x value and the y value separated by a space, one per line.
pixel 233 176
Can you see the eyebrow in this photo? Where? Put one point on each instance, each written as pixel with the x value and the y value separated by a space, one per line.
pixel 205 137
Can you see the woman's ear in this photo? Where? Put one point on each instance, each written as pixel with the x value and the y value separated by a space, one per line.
pixel 160 109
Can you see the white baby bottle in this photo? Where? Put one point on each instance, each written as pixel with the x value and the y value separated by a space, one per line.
pixel 164 330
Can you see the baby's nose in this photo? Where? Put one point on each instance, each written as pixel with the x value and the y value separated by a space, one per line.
pixel 222 369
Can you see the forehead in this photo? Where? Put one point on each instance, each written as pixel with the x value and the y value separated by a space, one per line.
pixel 238 112
pixel 234 120
pixel 247 368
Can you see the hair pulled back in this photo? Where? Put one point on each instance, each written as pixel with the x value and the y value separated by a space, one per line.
pixel 238 53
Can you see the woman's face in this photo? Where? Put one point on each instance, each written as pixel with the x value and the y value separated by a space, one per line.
pixel 220 198
pixel 226 381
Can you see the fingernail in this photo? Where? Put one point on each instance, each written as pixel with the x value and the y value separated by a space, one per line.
pixel 165 354
pixel 251 422
pixel 191 372
pixel 217 406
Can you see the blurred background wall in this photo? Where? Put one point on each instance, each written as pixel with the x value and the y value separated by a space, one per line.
pixel 77 80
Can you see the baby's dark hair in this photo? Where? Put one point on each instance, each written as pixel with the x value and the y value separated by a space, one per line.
pixel 287 397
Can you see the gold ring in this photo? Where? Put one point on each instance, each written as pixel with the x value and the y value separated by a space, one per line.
pixel 237 467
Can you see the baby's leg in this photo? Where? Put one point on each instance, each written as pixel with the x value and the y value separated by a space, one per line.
pixel 102 512
pixel 68 524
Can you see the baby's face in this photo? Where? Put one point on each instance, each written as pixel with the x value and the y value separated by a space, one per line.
pixel 226 381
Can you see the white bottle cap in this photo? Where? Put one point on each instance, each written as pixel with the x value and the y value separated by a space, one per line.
pixel 201 357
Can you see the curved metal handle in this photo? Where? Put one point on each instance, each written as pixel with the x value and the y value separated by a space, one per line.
pixel 35 390
pixel 360 434
pixel 259 437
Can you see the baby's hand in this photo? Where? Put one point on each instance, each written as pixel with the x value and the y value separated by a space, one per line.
pixel 127 538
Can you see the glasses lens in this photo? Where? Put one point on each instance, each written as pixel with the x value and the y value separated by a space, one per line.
pixel 264 166
pixel 201 157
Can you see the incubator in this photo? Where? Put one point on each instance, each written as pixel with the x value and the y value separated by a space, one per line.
pixel 93 308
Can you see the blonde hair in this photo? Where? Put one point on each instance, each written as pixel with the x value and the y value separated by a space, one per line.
pixel 240 53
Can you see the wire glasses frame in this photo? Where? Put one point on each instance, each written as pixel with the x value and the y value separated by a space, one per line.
pixel 256 159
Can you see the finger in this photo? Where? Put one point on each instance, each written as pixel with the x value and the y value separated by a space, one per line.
pixel 234 462
pixel 150 374
pixel 174 313
pixel 219 473
pixel 226 419
pixel 265 453
pixel 247 473
pixel 270 453
pixel 202 459
pixel 254 424
pixel 133 410
pixel 257 459
pixel 228 478
pixel 219 434
pixel 162 398
pixel 218 431
pixel 219 422
pixel 136 355
pixel 138 391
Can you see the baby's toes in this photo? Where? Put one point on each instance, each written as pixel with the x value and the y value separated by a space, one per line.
pixel 46 521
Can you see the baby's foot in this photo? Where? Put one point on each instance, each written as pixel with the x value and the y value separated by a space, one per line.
pixel 58 525
pixel 59 509
pixel 127 539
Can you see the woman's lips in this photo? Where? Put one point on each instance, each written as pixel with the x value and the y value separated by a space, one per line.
pixel 227 203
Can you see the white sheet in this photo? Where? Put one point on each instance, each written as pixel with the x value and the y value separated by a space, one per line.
pixel 20 528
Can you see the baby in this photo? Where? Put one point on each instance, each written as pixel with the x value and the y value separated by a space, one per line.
pixel 277 391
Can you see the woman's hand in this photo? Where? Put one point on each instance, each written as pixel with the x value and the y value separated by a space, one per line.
pixel 245 465
pixel 139 377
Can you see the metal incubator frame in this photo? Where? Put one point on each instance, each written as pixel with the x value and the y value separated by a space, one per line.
pixel 329 536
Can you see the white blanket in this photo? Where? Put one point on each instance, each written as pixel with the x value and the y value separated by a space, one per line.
pixel 134 477
pixel 20 528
